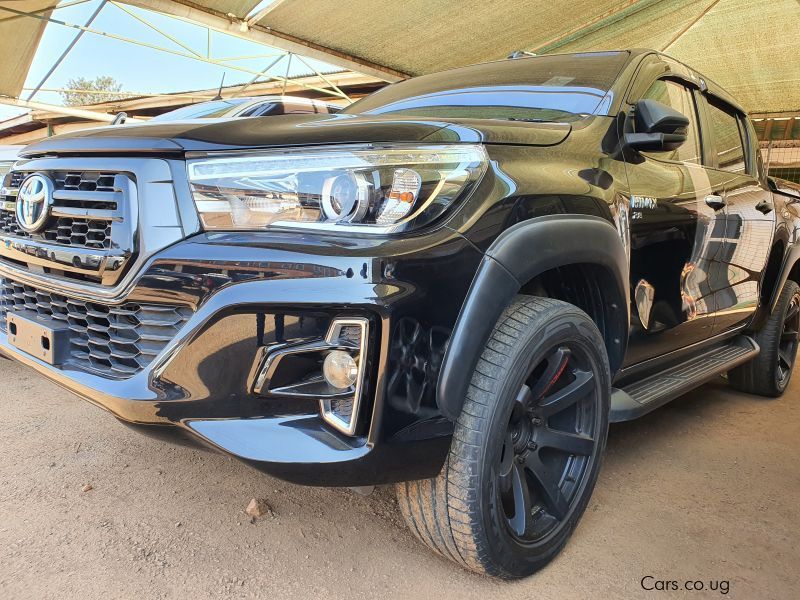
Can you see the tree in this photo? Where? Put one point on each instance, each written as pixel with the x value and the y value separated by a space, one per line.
pixel 87 91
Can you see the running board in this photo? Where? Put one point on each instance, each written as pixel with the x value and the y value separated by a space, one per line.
pixel 641 397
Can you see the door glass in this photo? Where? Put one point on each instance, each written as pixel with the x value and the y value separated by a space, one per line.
pixel 678 97
pixel 728 138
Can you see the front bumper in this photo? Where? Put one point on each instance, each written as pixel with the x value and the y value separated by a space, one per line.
pixel 251 291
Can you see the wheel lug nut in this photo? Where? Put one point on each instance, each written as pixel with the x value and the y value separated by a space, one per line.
pixel 532 445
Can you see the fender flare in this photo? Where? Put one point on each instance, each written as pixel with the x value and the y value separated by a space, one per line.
pixel 791 259
pixel 519 254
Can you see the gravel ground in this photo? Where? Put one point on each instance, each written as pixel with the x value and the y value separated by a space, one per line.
pixel 705 489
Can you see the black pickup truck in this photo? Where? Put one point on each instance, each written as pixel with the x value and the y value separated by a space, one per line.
pixel 454 286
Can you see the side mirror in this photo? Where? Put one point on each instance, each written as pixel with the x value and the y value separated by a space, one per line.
pixel 773 185
pixel 658 127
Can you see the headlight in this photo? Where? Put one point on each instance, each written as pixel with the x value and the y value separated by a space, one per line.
pixel 372 189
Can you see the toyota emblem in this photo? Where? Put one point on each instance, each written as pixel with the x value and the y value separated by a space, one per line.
pixel 34 199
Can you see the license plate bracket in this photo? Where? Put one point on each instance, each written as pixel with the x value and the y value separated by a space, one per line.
pixel 42 337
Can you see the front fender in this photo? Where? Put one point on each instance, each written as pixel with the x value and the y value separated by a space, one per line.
pixel 518 255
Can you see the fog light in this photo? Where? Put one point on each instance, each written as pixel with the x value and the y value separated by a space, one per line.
pixel 340 369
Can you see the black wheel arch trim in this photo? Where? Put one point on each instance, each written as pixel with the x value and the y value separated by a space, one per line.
pixel 558 240
pixel 770 297
pixel 790 261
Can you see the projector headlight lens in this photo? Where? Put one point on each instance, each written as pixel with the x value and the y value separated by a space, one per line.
pixel 382 190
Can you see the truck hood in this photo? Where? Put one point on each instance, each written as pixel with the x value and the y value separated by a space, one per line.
pixel 293 130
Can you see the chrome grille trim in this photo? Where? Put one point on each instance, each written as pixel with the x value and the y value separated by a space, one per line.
pixel 115 341
pixel 146 209
pixel 82 201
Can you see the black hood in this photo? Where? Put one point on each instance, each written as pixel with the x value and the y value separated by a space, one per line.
pixel 293 130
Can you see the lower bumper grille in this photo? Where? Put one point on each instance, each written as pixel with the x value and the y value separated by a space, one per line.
pixel 115 341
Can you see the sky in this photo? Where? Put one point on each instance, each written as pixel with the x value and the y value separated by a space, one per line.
pixel 141 69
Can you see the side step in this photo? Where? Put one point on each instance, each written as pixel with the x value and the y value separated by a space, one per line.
pixel 641 397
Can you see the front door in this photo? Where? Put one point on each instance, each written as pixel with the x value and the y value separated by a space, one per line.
pixel 675 239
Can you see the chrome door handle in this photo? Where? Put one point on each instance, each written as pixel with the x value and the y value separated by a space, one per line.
pixel 716 202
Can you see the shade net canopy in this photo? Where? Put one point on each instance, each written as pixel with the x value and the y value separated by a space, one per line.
pixel 19 39
pixel 750 47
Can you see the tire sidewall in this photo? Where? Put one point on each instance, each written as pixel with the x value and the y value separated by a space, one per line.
pixel 575 327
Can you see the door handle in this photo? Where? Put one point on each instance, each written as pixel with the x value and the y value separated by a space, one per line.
pixel 765 207
pixel 716 202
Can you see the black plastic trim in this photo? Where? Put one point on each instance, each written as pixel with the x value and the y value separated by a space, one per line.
pixel 517 256
pixel 792 258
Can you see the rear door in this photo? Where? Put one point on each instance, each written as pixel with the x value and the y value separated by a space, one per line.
pixel 675 235
pixel 748 213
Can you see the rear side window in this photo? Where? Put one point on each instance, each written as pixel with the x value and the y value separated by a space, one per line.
pixel 269 109
pixel 727 132
pixel 681 99
pixel 296 107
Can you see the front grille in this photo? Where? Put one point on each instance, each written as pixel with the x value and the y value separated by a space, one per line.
pixel 95 193
pixel 115 341
pixel 15 179
pixel 94 234
pixel 80 232
pixel 8 224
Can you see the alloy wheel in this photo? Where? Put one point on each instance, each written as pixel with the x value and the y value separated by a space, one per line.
pixel 550 444
pixel 787 346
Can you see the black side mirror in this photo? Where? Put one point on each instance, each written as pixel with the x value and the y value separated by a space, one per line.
pixel 773 185
pixel 658 127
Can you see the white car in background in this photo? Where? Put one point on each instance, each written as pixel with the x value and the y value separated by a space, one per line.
pixel 263 106
pixel 8 156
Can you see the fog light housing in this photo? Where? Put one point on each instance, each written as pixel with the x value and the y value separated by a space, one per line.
pixel 331 370
pixel 343 370
pixel 340 369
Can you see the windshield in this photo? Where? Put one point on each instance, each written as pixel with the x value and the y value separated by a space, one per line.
pixel 542 88
pixel 204 110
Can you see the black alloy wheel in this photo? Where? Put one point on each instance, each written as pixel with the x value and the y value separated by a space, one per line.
pixel 527 447
pixel 769 373
pixel 787 345
pixel 549 444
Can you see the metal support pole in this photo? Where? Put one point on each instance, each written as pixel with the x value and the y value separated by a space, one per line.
pixel 325 79
pixel 171 38
pixel 81 113
pixel 41 10
pixel 68 49
pixel 286 79
pixel 694 22
pixel 257 77
pixel 169 50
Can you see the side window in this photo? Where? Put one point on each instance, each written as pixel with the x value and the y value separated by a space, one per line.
pixel 269 109
pixel 293 107
pixel 727 133
pixel 250 112
pixel 680 98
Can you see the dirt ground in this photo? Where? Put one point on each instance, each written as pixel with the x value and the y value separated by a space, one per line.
pixel 704 490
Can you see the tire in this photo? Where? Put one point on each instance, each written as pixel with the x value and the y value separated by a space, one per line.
pixel 515 446
pixel 768 374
